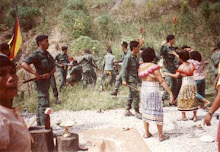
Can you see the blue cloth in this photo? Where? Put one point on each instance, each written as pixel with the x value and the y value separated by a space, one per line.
pixel 200 86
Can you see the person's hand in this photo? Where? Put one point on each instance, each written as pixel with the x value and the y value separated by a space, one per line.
pixel 207 119
pixel 216 80
pixel 61 65
pixel 172 100
pixel 46 76
pixel 163 43
pixel 173 52
pixel 37 76
pixel 124 83
pixel 165 74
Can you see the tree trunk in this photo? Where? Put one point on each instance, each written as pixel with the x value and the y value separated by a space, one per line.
pixel 43 139
pixel 67 144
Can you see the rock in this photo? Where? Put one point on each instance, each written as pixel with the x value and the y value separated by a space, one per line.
pixel 115 140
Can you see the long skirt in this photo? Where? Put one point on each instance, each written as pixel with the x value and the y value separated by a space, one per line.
pixel 186 100
pixel 151 102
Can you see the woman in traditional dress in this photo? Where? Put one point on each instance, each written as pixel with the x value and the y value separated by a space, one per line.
pixel 151 99
pixel 199 77
pixel 186 100
pixel 14 136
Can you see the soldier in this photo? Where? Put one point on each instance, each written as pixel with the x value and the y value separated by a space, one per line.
pixel 45 68
pixel 62 61
pixel 108 62
pixel 215 60
pixel 118 82
pixel 169 64
pixel 87 61
pixel 4 49
pixel 129 75
pixel 75 72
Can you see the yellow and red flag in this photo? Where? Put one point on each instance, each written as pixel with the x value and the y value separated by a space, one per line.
pixel 16 40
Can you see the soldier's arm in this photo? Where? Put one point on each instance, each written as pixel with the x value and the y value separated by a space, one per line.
pixel 32 59
pixel 114 60
pixel 27 67
pixel 52 71
pixel 80 60
pixel 103 63
pixel 124 70
pixel 95 59
pixel 162 51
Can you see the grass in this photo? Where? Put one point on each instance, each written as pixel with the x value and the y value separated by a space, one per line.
pixel 75 98
pixel 130 19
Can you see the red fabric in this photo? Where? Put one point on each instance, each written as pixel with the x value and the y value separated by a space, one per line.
pixel 187 73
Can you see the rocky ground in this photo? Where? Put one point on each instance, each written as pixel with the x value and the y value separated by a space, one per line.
pixel 184 135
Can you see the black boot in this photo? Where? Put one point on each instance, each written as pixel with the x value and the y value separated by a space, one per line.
pixel 114 93
pixel 38 122
pixel 57 101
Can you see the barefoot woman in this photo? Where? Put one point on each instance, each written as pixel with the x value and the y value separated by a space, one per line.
pixel 151 100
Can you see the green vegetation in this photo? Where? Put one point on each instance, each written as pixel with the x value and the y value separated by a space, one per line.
pixel 92 24
pixel 85 42
pixel 77 99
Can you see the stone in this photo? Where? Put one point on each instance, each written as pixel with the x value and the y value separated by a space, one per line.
pixel 115 140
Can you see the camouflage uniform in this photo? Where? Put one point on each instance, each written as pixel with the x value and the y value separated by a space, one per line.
pixel 129 74
pixel 54 87
pixel 215 60
pixel 108 67
pixel 62 59
pixel 119 79
pixel 169 66
pixel 87 61
pixel 44 63
pixel 77 71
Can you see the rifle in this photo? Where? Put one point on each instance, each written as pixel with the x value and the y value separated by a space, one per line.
pixel 32 79
pixel 133 88
pixel 64 64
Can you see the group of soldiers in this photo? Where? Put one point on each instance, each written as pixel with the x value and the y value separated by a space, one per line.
pixel 70 71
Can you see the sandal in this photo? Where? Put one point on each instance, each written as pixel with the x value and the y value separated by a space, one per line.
pixel 163 138
pixel 147 136
pixel 194 119
pixel 182 119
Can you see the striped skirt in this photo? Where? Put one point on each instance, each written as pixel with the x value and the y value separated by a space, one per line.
pixel 151 102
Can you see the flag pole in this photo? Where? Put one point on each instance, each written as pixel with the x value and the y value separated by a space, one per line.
pixel 23 53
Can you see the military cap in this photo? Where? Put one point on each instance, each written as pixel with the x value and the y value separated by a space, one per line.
pixel 64 48
pixel 41 38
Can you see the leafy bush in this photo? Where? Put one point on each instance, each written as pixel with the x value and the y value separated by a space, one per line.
pixel 75 4
pixel 76 21
pixel 105 27
pixel 205 9
pixel 5 4
pixel 211 15
pixel 85 42
pixel 28 16
pixel 186 20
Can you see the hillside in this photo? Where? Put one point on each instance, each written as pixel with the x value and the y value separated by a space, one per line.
pixel 97 24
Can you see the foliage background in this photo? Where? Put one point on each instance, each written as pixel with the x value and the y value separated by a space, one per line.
pixel 92 24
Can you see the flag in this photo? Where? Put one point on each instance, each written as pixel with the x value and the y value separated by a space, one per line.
pixel 16 40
